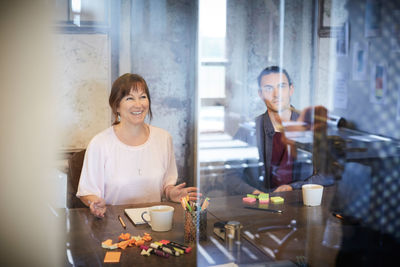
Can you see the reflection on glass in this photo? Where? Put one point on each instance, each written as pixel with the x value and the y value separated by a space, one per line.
pixel 345 132
pixel 211 119
pixel 235 41
pixel 212 81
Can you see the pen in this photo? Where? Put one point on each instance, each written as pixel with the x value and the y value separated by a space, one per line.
pixel 180 251
pixel 174 246
pixel 169 250
pixel 270 210
pixel 205 204
pixel 122 222
pixel 347 220
pixel 337 215
pixel 155 251
pixel 183 247
pixel 183 203
pixel 189 208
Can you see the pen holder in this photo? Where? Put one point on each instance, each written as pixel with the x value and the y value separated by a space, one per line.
pixel 195 226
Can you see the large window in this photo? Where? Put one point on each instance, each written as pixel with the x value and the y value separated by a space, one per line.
pixel 212 69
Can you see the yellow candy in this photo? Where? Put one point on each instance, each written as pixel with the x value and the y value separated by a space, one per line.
pixel 277 200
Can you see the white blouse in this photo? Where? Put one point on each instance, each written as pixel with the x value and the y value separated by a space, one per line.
pixel 123 174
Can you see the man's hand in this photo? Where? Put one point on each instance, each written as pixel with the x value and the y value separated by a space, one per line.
pixel 98 207
pixel 283 188
pixel 176 192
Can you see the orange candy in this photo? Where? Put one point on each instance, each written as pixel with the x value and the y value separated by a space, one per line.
pixel 146 237
pixel 123 244
pixel 139 243
pixel 124 236
pixel 127 240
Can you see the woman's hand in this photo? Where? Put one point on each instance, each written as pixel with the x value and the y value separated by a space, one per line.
pixel 96 204
pixel 98 207
pixel 176 192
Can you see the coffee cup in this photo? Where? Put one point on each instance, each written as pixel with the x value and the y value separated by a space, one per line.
pixel 312 194
pixel 161 218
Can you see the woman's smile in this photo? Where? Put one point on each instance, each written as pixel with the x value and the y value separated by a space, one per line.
pixel 134 107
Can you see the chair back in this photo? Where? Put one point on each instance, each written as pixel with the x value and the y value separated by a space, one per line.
pixel 75 164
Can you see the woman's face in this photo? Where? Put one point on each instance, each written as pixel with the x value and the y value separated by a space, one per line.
pixel 134 107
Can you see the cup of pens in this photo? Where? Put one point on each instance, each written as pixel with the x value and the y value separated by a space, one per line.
pixel 195 226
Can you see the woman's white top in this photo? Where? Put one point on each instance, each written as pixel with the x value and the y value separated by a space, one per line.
pixel 123 174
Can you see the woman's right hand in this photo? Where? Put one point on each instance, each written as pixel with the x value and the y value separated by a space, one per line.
pixel 98 207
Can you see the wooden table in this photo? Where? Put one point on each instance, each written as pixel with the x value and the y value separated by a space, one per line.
pixel 85 234
pixel 305 244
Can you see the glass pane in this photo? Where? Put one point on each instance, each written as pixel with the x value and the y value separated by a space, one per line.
pixel 212 81
pixel 212 28
pixel 211 119
pixel 258 34
pixel 309 101
pixel 277 94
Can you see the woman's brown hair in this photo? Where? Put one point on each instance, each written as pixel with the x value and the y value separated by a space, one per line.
pixel 122 87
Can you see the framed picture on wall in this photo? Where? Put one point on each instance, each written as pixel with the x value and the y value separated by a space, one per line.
pixel 342 41
pixel 340 90
pixel 332 16
pixel 372 18
pixel 360 61
pixel 378 84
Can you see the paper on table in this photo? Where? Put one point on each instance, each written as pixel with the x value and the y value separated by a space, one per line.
pixel 135 214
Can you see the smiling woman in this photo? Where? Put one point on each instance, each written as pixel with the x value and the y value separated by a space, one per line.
pixel 130 102
pixel 131 161
pixel 123 87
pixel 131 113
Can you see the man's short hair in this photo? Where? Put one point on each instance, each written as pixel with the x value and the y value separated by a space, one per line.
pixel 273 69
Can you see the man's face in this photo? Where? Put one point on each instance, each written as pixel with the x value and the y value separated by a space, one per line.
pixel 275 91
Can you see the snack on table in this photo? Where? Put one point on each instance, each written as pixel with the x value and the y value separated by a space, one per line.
pixel 277 200
pixel 249 200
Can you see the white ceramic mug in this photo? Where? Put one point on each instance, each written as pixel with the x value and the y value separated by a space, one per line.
pixel 312 194
pixel 161 218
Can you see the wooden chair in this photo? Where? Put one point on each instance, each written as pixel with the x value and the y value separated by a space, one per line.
pixel 75 164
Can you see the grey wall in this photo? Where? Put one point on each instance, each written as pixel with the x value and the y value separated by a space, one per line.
pixel 367 116
pixel 163 41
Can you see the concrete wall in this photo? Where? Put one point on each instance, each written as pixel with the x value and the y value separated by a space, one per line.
pixel 156 39
pixel 82 87
pixel 163 40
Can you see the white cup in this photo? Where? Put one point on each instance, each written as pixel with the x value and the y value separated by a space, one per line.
pixel 161 218
pixel 312 194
